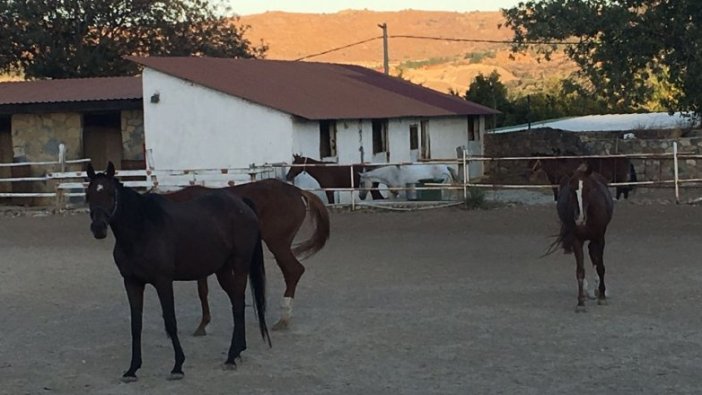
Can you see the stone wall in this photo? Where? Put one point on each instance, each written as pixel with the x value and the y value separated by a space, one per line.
pixel 36 138
pixel 548 141
pixel 133 135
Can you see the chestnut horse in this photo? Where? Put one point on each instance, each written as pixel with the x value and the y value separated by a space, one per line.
pixel 585 208
pixel 331 176
pixel 281 210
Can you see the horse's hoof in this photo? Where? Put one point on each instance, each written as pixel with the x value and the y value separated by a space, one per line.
pixel 580 309
pixel 200 332
pixel 229 366
pixel 281 325
pixel 128 379
pixel 175 376
pixel 602 302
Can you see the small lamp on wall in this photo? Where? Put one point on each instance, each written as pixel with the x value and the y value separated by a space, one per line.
pixel 155 98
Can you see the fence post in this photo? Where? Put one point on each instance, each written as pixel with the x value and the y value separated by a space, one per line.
pixel 675 172
pixel 466 175
pixel 353 195
pixel 60 198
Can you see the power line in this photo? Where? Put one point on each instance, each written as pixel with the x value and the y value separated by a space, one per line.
pixel 473 40
pixel 338 48
pixel 478 40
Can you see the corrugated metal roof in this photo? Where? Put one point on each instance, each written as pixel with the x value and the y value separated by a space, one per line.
pixel 70 90
pixel 315 90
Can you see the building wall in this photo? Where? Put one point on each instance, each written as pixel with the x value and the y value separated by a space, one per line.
pixel 545 141
pixel 196 127
pixel 133 135
pixel 36 137
pixel 355 138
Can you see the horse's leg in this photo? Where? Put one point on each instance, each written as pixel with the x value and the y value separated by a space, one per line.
pixel 330 196
pixel 234 284
pixel 596 250
pixel 202 291
pixel 164 288
pixel 579 274
pixel 375 193
pixel 135 293
pixel 292 271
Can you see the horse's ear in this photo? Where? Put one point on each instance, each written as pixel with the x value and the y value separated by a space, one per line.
pixel 110 170
pixel 584 168
pixel 90 171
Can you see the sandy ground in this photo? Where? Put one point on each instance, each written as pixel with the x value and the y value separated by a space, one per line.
pixel 433 302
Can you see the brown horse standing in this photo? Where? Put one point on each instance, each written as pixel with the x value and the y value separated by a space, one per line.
pixel 585 209
pixel 612 169
pixel 281 210
pixel 331 176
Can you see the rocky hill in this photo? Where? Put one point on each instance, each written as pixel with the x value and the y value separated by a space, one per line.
pixel 436 63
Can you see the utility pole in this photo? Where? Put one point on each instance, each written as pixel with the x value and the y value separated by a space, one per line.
pixel 386 60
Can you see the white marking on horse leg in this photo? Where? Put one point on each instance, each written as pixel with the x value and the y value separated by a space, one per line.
pixel 579 197
pixel 286 315
pixel 287 308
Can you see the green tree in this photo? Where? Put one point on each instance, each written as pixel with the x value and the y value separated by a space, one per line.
pixel 89 38
pixel 620 45
pixel 491 92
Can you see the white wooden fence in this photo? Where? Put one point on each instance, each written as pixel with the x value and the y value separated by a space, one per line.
pixel 69 184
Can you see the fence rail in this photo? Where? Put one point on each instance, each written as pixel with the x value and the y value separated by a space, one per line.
pixel 67 183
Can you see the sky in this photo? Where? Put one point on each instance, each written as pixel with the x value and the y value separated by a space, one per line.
pixel 247 7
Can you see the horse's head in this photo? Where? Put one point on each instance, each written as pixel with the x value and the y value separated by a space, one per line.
pixel 295 170
pixel 536 167
pixel 101 197
pixel 579 186
pixel 364 185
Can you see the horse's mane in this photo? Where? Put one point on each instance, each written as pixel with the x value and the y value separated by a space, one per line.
pixel 150 205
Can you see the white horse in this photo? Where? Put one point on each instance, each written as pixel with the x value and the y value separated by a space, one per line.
pixel 398 176
pixel 305 181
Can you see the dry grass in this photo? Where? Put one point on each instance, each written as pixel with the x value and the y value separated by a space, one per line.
pixel 441 65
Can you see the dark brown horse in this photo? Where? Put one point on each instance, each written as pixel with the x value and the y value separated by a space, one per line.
pixel 281 210
pixel 158 241
pixel 585 208
pixel 612 169
pixel 331 176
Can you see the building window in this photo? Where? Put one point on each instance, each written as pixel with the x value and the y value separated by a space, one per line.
pixel 380 136
pixel 414 137
pixel 473 133
pixel 327 139
pixel 425 152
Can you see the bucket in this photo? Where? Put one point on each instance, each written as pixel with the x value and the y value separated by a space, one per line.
pixel 431 195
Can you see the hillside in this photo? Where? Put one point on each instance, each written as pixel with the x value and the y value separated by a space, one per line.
pixel 438 64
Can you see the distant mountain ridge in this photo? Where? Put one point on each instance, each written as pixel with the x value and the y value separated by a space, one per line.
pixel 438 64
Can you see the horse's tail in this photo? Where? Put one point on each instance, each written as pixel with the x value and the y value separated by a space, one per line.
pixel 632 175
pixel 320 219
pixel 565 240
pixel 453 173
pixel 257 276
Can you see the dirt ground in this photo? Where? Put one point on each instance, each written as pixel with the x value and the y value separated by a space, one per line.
pixel 446 301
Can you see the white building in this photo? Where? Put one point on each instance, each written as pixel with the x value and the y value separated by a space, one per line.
pixel 231 113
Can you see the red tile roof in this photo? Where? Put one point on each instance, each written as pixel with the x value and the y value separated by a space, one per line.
pixel 70 90
pixel 315 90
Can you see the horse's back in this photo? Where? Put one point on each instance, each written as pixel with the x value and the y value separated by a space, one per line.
pixel 209 230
